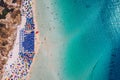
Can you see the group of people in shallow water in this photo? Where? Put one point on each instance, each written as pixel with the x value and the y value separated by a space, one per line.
pixel 10 18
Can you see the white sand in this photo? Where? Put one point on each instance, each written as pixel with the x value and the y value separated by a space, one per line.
pixel 47 64
pixel 48 43
pixel 15 50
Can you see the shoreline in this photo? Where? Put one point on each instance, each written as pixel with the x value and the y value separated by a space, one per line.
pixel 47 61
pixel 37 39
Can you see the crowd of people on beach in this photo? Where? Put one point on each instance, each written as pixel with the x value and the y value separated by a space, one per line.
pixel 19 69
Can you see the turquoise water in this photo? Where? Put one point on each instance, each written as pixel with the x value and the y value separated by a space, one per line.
pixel 90 31
pixel 85 27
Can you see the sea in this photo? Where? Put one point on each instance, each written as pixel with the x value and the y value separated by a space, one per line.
pixel 88 34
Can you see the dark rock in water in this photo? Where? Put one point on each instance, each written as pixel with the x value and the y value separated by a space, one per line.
pixel 87 6
pixel 115 65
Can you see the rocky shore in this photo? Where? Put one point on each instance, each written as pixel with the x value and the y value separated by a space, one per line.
pixel 10 18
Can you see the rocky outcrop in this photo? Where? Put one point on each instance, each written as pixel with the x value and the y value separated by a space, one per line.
pixel 10 18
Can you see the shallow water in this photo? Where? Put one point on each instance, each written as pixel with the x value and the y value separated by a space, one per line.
pixel 90 35
pixel 88 40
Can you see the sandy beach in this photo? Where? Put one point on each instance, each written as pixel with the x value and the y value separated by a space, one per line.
pixel 47 63
pixel 22 63
pixel 37 38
